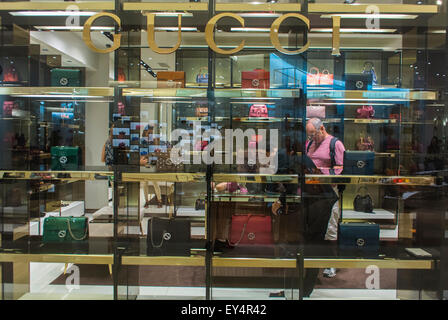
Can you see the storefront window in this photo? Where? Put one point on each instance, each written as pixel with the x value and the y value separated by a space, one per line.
pixel 222 149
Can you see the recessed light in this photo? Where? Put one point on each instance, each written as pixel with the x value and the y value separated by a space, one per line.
pixel 51 13
pixel 355 30
pixel 370 16
pixel 73 28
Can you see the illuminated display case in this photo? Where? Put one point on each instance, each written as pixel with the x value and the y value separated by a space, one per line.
pixel 106 172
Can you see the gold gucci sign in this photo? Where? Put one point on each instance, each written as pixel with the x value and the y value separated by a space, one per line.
pixel 209 38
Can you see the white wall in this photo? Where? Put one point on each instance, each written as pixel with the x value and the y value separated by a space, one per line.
pixel 97 127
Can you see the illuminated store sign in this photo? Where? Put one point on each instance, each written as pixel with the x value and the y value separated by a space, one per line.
pixel 274 33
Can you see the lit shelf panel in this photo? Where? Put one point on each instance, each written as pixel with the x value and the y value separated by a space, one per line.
pixel 56 5
pixel 55 175
pixel 376 180
pixel 219 93
pixel 383 8
pixel 375 95
pixel 223 197
pixel 164 6
pixel 164 177
pixel 58 92
pixel 255 178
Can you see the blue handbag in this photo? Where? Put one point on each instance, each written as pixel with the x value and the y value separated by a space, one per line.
pixel 356 237
pixel 202 77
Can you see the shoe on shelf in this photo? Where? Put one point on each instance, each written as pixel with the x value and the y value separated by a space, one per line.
pixel 146 205
pixel 329 273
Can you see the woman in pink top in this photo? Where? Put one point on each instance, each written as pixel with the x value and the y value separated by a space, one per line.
pixel 319 153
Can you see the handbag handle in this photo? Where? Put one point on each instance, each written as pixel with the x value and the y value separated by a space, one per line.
pixel 364 187
pixel 152 240
pixel 71 233
pixel 314 68
pixel 325 71
pixel 242 232
pixel 202 68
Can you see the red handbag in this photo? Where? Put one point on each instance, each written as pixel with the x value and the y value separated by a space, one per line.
pixel 121 75
pixel 365 112
pixel 200 145
pixel 250 229
pixel 10 75
pixel 258 110
pixel 257 79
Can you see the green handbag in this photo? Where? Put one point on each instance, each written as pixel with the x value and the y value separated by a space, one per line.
pixel 65 229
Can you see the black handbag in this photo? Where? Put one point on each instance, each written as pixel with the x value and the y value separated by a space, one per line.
pixel 199 204
pixel 363 203
pixel 168 237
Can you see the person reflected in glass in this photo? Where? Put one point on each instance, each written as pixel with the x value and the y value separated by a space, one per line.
pixel 317 148
pixel 144 161
pixel 107 156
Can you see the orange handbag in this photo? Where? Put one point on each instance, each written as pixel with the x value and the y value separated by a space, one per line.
pixel 171 79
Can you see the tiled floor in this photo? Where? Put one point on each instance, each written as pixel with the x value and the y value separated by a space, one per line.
pixel 42 274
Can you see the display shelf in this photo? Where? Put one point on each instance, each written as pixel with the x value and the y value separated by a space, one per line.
pixel 228 197
pixel 55 175
pixel 375 95
pixel 373 180
pixel 326 179
pixel 377 214
pixel 255 178
pixel 165 177
pixel 191 93
pixel 57 258
pixel 58 92
pixel 323 263
pixel 220 261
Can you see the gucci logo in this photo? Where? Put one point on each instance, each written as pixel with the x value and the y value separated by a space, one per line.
pixel 63 81
pixel 359 84
pixel 166 236
pixel 62 234
pixel 251 236
pixel 360 164
pixel 63 159
pixel 255 82
pixel 360 242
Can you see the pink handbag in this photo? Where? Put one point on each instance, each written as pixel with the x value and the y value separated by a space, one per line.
pixel 315 112
pixel 258 110
pixel 365 112
pixel 121 108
